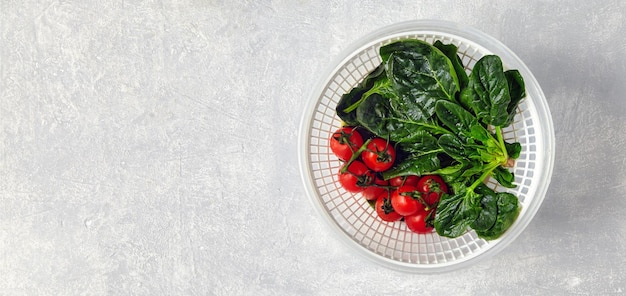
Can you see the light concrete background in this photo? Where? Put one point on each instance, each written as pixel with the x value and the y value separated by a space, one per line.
pixel 150 148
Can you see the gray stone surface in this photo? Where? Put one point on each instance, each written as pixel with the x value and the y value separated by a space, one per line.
pixel 150 148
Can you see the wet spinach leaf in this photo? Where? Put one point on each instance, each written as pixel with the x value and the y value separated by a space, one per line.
pixel 487 217
pixel 344 109
pixel 505 213
pixel 455 148
pixel 513 149
pixel 504 177
pixel 415 164
pixel 421 75
pixel 376 114
pixel 451 51
pixel 455 118
pixel 456 212
pixel 517 91
pixel 487 93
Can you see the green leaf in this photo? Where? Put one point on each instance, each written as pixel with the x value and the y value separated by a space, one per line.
pixel 480 133
pixel 507 212
pixel 476 167
pixel 450 50
pixel 454 147
pixel 455 213
pixel 487 93
pixel 455 118
pixel 376 114
pixel 504 177
pixel 449 170
pixel 513 149
pixel 421 75
pixel 489 214
pixel 349 101
pixel 383 87
pixel 415 165
pixel 346 100
pixel 517 91
pixel 418 141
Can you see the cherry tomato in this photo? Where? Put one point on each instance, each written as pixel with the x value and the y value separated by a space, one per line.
pixel 379 155
pixel 431 199
pixel 432 187
pixel 404 180
pixel 345 141
pixel 356 178
pixel 420 222
pixel 384 209
pixel 377 188
pixel 404 202
pixel 432 183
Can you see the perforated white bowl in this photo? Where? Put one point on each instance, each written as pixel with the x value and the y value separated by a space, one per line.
pixel 350 216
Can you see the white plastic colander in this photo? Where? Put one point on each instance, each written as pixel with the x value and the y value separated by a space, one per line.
pixel 354 221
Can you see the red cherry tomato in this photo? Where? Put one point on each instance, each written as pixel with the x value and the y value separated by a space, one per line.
pixel 356 178
pixel 345 141
pixel 420 222
pixel 432 187
pixel 377 188
pixel 379 155
pixel 432 183
pixel 431 199
pixel 404 200
pixel 384 209
pixel 404 180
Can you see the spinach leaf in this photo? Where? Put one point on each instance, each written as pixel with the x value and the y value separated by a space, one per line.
pixel 420 75
pixel 346 100
pixel 450 50
pixel 504 177
pixel 420 156
pixel 419 141
pixel 487 93
pixel 475 168
pixel 349 101
pixel 517 91
pixel 455 118
pixel 488 215
pixel 480 133
pixel 456 212
pixel 507 210
pixel 454 147
pixel 451 171
pixel 513 149
pixel 375 114
pixel 417 165
pixel 499 211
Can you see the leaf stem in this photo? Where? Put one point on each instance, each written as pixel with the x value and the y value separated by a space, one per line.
pixel 439 150
pixel 378 85
pixel 483 176
pixel 502 146
pixel 355 105
pixel 438 130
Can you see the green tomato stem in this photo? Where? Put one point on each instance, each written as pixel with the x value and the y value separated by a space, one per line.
pixel 355 155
